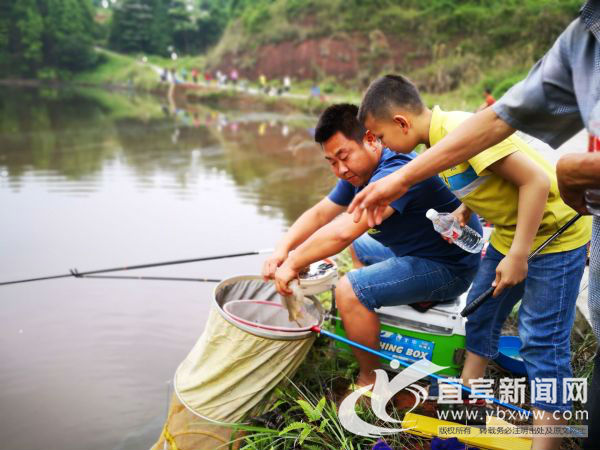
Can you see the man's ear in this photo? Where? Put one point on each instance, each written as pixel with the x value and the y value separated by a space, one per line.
pixel 370 141
pixel 403 122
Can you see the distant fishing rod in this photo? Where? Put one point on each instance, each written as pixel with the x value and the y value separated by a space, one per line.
pixel 75 273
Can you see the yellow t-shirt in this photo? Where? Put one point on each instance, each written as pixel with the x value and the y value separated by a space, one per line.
pixel 496 199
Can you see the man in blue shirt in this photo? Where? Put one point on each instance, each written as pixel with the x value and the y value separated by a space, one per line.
pixel 403 260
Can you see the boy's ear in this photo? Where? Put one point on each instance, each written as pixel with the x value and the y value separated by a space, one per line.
pixel 403 122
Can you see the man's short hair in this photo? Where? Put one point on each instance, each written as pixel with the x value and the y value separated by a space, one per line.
pixel 343 118
pixel 388 91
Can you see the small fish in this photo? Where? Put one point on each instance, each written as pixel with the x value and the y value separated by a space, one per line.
pixel 294 303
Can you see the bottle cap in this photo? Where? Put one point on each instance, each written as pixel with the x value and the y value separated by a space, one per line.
pixel 431 214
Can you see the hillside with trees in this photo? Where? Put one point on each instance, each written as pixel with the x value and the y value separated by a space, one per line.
pixel 445 45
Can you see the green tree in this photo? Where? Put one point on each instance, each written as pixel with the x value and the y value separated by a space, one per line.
pixel 154 25
pixel 5 11
pixel 68 34
pixel 212 19
pixel 26 46
pixel 182 17
pixel 160 29
pixel 132 25
pixel 44 35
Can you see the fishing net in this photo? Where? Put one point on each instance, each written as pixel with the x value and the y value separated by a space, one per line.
pixel 237 361
pixel 272 316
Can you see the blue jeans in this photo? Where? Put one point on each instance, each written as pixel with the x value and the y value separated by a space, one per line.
pixel 389 280
pixel 546 316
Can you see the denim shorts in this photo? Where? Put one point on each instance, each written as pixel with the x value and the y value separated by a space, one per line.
pixel 546 316
pixel 389 280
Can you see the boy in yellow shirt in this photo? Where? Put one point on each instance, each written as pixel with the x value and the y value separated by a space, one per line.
pixel 513 187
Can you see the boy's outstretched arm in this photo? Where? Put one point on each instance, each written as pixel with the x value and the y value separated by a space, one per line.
pixel 310 221
pixel 534 186
pixel 327 241
pixel 477 133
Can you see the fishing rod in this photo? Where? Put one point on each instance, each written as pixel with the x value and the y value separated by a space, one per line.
pixel 475 304
pixel 133 277
pixel 75 273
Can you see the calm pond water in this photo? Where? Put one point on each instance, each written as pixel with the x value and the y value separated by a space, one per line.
pixel 89 180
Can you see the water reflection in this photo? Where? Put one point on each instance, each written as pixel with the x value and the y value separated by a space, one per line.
pixel 67 136
pixel 92 179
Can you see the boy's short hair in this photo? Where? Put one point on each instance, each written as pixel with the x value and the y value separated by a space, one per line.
pixel 343 118
pixel 388 91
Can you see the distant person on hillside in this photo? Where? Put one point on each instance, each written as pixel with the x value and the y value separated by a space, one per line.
pixel 184 74
pixel 489 99
pixel 262 80
pixel 173 76
pixel 195 75
pixel 164 75
pixel 287 84
pixel 221 78
pixel 234 76
pixel 315 92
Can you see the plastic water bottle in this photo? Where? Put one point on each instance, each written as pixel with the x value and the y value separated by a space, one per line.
pixel 592 196
pixel 465 237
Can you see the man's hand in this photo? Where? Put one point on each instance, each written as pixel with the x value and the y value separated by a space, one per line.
pixel 571 183
pixel 284 274
pixel 272 263
pixel 374 198
pixel 510 272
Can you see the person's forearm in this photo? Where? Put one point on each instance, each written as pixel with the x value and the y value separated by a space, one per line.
pixel 328 241
pixel 579 170
pixel 308 223
pixel 474 135
pixel 532 202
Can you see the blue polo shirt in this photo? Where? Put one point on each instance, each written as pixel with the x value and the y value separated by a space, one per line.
pixel 407 231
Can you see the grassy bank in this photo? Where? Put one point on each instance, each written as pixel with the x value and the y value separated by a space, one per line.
pixel 132 72
pixel 115 69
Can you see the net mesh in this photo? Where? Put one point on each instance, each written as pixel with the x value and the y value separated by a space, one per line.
pixel 272 316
